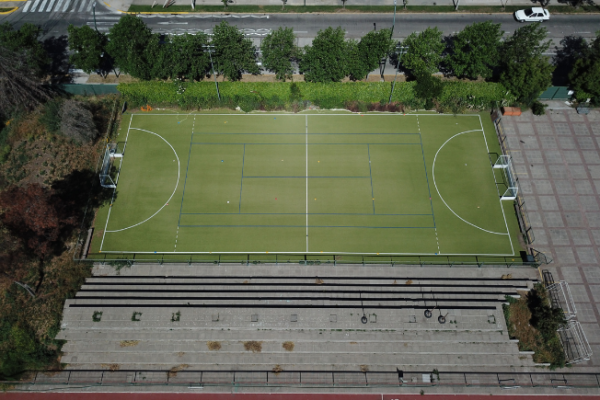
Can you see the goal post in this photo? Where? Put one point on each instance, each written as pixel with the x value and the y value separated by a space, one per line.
pixel 504 162
pixel 107 174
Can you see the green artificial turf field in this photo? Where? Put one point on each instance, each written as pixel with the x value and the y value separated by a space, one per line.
pixel 317 184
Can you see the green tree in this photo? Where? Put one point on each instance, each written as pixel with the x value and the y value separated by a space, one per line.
pixel 372 47
pixel 25 40
pixel 326 60
pixel 585 76
pixel 475 51
pixel 525 71
pixel 428 88
pixel 189 58
pixel 127 44
pixel 88 50
pixel 233 52
pixel 278 52
pixel 160 51
pixel 424 52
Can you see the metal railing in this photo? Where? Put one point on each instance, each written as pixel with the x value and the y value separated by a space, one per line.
pixel 201 378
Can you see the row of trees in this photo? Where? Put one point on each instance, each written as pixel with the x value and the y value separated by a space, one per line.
pixel 476 52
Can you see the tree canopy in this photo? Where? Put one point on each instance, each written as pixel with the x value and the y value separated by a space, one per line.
pixel 475 50
pixel 585 76
pixel 127 44
pixel 424 52
pixel 233 53
pixel 525 71
pixel 25 41
pixel 278 51
pixel 327 59
pixel 372 47
pixel 88 50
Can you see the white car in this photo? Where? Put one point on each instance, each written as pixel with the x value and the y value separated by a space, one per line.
pixel 534 14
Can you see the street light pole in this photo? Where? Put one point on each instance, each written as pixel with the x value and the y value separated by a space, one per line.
pixel 401 48
pixel 94 8
pixel 393 23
pixel 213 69
pixel 382 67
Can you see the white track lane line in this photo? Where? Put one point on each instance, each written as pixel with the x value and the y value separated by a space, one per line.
pixel 26 8
pixel 41 9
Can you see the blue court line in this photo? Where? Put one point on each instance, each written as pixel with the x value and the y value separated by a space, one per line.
pixel 304 177
pixel 304 226
pixel 301 133
pixel 186 176
pixel 242 180
pixel 427 178
pixel 301 214
pixel 371 175
pixel 313 144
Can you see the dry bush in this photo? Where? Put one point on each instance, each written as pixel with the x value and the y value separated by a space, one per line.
pixel 77 122
pixel 253 346
pixel 213 345
pixel 173 371
pixel 364 368
pixel 353 342
pixel 277 369
pixel 507 276
pixel 289 346
pixel 129 343
pixel 409 282
pixel 180 354
pixel 319 281
pixel 111 367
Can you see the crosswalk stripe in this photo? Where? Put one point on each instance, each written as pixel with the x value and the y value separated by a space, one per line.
pixel 81 6
pixel 26 8
pixel 91 3
pixel 57 8
pixel 50 5
pixel 66 7
pixel 42 6
pixel 35 5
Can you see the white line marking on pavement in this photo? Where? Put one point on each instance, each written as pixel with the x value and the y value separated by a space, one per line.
pixel 50 5
pixel 172 23
pixel 91 3
pixel 58 5
pixel 66 7
pixel 42 6
pixel 26 8
pixel 82 5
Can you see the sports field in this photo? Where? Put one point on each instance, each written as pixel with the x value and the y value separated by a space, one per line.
pixel 372 184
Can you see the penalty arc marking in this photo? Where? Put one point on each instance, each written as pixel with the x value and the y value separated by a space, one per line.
pixel 174 190
pixel 438 191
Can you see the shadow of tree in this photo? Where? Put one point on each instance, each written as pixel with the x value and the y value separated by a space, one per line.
pixel 57 50
pixel 571 49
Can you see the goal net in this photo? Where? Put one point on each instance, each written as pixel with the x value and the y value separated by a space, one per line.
pixel 107 172
pixel 505 163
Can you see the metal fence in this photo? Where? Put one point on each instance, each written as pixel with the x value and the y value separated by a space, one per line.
pixel 200 378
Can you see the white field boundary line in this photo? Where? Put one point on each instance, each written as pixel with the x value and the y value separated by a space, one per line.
pixel 389 114
pixel 174 190
pixel 494 178
pixel 438 191
pixel 306 123
pixel 116 183
pixel 310 252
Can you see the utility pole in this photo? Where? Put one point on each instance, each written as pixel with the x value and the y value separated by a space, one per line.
pixel 401 48
pixel 382 67
pixel 210 50
pixel 94 8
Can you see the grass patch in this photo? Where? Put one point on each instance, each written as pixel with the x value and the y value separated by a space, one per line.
pixel 136 316
pixel 277 369
pixel 129 343
pixel 289 346
pixel 235 9
pixel 213 345
pixel 253 346
pixel 111 367
pixel 531 320
pixel 173 371
pixel 97 316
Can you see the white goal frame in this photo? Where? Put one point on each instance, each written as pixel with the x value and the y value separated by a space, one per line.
pixel 575 344
pixel 504 162
pixel 111 152
pixel 561 297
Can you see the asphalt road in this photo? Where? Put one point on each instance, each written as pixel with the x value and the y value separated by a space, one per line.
pixel 305 25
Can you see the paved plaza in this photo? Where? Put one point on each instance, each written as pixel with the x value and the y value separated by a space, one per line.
pixel 557 160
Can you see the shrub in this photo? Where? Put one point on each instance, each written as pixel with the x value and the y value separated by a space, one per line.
pixel 538 108
pixel 51 116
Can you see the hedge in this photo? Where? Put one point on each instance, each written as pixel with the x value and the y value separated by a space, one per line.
pixel 277 95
